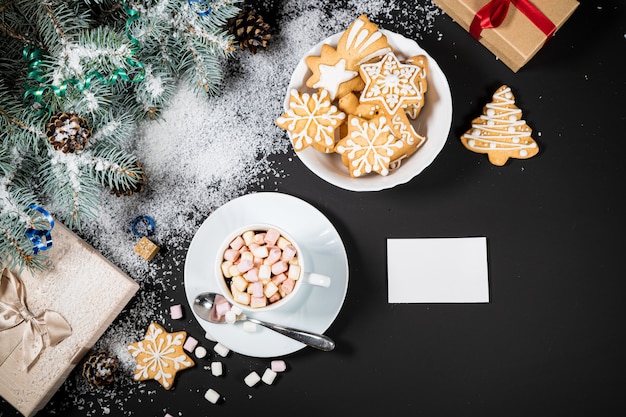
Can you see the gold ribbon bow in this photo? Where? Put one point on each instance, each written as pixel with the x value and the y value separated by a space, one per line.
pixel 19 325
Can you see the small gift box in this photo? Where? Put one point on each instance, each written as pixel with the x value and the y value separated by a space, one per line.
pixel 50 319
pixel 514 30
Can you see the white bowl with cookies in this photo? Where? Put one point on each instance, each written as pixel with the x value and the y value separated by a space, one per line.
pixel 367 109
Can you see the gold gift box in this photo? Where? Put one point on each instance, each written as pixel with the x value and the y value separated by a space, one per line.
pixel 517 39
pixel 89 292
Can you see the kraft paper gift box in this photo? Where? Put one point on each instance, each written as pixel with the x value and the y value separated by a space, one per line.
pixel 525 25
pixel 81 289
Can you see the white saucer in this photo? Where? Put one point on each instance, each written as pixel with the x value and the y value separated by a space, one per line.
pixel 325 253
pixel 434 121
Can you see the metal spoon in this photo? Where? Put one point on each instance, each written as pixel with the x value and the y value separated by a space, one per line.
pixel 204 306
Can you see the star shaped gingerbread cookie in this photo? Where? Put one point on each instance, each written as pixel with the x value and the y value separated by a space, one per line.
pixel 160 355
pixel 391 84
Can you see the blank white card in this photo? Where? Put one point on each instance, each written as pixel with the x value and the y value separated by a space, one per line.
pixel 437 270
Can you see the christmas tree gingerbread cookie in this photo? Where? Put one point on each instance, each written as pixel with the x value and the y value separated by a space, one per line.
pixel 500 132
pixel 311 120
pixel 160 355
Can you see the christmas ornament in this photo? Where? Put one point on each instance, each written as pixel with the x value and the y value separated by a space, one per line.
pixel 68 132
pixel 249 30
pixel 100 369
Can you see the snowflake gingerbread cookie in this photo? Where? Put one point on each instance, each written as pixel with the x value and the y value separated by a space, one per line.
pixel 500 131
pixel 311 120
pixel 369 146
pixel 160 355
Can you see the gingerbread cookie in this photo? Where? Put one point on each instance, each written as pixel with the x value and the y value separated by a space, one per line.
pixel 391 84
pixel 413 110
pixel 160 355
pixel 369 146
pixel 311 121
pixel 337 69
pixel 403 130
pixel 500 131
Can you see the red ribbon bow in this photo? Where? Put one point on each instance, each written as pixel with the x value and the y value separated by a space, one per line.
pixel 493 13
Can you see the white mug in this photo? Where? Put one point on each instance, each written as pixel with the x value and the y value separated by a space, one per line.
pixel 232 274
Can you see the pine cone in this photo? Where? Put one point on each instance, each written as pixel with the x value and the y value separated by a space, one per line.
pixel 137 188
pixel 249 30
pixel 100 369
pixel 68 132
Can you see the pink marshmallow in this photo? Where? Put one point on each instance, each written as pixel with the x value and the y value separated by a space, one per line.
pixel 278 365
pixel 274 256
pixel 237 243
pixel 231 255
pixel 279 267
pixel 288 285
pixel 190 344
pixel 176 312
pixel 271 237
pixel 252 275
pixel 288 253
pixel 222 308
pixel 245 265
pixel 257 289
pixel 279 278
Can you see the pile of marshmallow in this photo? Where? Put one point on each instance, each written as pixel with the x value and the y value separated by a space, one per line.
pixel 261 267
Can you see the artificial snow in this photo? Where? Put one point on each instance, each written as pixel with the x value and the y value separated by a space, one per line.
pixel 203 153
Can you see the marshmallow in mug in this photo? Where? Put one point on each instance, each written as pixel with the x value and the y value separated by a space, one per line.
pixel 261 267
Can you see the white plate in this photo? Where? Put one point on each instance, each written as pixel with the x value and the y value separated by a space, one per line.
pixel 324 251
pixel 434 121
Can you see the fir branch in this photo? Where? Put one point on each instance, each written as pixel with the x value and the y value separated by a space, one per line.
pixel 72 190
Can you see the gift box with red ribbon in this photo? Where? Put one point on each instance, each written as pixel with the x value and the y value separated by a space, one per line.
pixel 50 319
pixel 514 30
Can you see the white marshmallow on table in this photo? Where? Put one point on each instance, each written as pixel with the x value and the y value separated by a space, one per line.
pixel 268 376
pixel 217 369
pixel 212 396
pixel 221 350
pixel 200 352
pixel 252 379
pixel 278 365
pixel 176 312
pixel 208 336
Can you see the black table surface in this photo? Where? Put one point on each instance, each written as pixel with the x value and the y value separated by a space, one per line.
pixel 551 340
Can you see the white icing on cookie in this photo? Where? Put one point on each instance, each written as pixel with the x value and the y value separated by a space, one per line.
pixel 369 146
pixel 390 83
pixel 311 118
pixel 501 127
pixel 333 75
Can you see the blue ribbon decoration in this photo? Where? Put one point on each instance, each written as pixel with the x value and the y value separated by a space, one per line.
pixel 142 226
pixel 201 7
pixel 36 235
